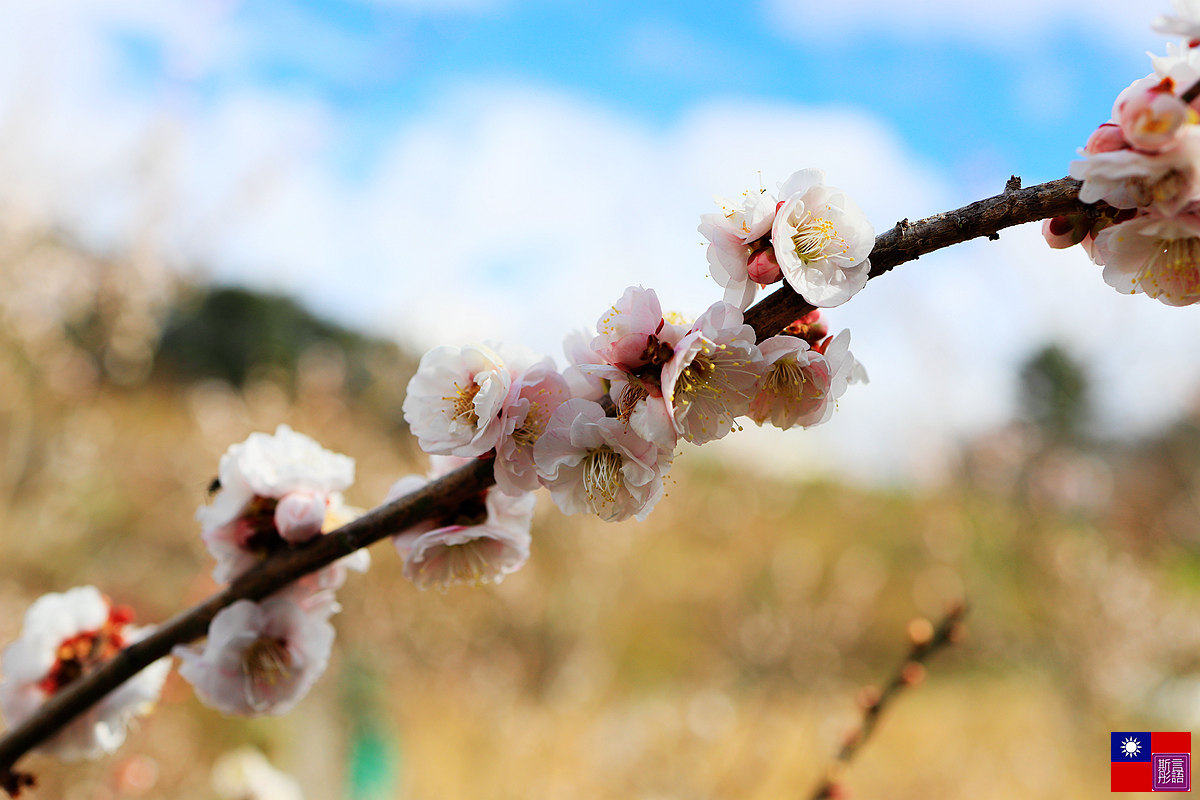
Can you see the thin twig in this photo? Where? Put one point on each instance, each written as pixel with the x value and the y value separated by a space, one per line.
pixel 904 242
pixel 926 640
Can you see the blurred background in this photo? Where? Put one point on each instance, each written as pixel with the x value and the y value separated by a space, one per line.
pixel 219 216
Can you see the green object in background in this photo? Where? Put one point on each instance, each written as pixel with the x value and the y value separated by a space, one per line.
pixel 372 763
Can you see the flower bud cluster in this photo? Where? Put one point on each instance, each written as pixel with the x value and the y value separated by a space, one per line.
pixel 1144 163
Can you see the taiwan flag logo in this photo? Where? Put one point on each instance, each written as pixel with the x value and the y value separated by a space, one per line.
pixel 1151 762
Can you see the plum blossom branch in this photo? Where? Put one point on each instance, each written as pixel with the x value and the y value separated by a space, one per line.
pixel 905 242
pixel 436 498
pixel 926 640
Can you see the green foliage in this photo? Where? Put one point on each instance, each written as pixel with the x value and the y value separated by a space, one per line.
pixel 238 335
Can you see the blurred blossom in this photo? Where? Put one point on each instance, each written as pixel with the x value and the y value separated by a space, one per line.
pixel 246 774
pixel 66 636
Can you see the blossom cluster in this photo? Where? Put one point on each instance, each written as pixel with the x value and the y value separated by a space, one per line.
pixel 273 492
pixel 602 434
pixel 1144 163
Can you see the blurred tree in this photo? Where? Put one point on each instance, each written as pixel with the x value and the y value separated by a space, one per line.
pixel 236 334
pixel 1055 394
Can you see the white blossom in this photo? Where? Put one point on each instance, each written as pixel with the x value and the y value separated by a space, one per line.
pixel 1153 254
pixel 1164 182
pixel 736 235
pixel 1152 118
pixel 634 332
pixel 454 400
pixel 710 379
pixel 275 490
pixel 259 658
pixel 591 462
pixel 534 395
pixel 65 636
pixel 1186 23
pixel 800 384
pixel 821 239
pixel 483 540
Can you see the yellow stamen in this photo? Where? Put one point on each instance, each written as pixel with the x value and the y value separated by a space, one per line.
pixel 813 236
pixel 1173 270
pixel 602 475
pixel 464 403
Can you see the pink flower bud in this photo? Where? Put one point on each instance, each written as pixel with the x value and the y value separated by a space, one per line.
pixel 763 269
pixel 811 328
pixel 300 515
pixel 1105 139
pixel 1061 232
pixel 1151 117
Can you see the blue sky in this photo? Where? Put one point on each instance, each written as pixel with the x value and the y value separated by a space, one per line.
pixel 1026 101
pixel 453 170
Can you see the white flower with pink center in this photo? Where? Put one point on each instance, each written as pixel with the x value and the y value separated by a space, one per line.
pixel 711 378
pixel 593 463
pixel 822 240
pixel 453 402
pixel 800 384
pixel 739 250
pixel 483 540
pixel 534 395
pixel 66 636
pixel 634 333
pixel 1156 255
pixel 275 491
pixel 259 658
pixel 1164 182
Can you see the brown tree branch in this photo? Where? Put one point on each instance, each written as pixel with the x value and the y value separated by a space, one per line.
pixel 907 241
pixel 926 640
pixel 904 242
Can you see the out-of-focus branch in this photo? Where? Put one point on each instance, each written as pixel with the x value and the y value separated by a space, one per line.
pixel 926 640
pixel 904 242
pixel 907 241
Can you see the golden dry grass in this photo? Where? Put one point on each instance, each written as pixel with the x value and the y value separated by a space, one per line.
pixel 713 651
